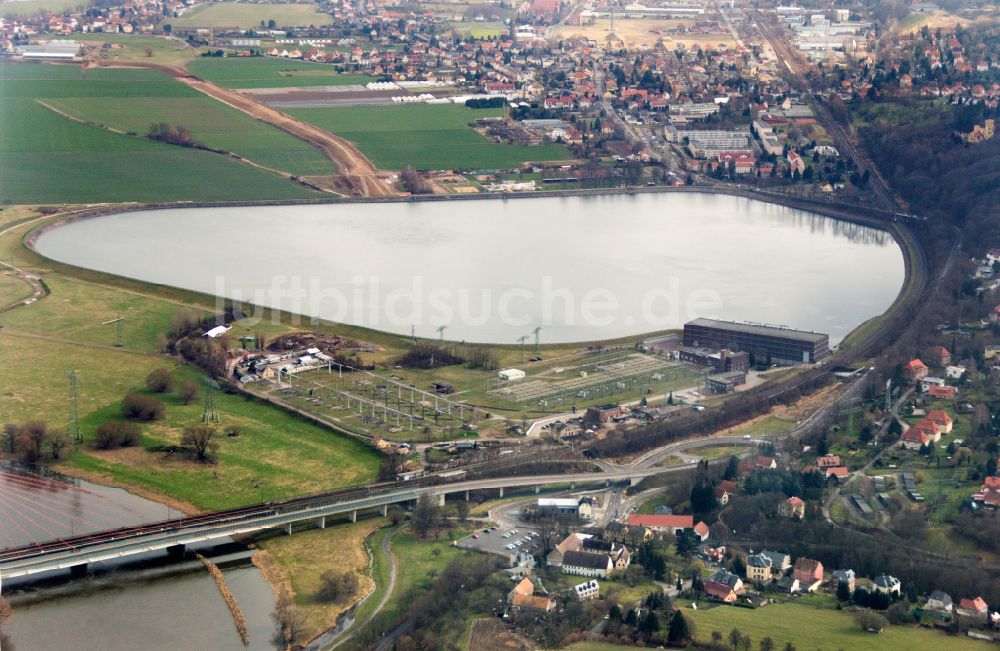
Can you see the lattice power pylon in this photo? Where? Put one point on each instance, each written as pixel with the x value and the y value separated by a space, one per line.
pixel 73 427
pixel 211 413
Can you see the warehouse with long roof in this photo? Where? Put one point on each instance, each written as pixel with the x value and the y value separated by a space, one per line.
pixel 767 344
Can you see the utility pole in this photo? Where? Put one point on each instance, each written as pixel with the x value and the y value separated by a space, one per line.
pixel 522 339
pixel 537 330
pixel 210 413
pixel 120 331
pixel 440 331
pixel 73 429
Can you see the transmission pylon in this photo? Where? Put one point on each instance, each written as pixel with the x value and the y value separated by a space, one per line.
pixel 537 330
pixel 211 413
pixel 522 339
pixel 73 428
pixel 440 331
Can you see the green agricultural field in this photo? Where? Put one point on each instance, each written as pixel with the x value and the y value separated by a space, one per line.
pixel 48 158
pixel 819 629
pixel 12 8
pixel 479 30
pixel 211 123
pixel 259 72
pixel 425 136
pixel 133 47
pixel 247 15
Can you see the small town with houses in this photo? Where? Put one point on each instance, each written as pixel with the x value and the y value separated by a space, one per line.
pixel 699 96
pixel 757 486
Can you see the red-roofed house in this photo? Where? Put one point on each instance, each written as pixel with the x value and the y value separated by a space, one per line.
pixel 722 495
pixel 796 163
pixel 941 419
pixel 973 608
pixel 809 573
pixel 942 392
pixel 989 493
pixel 914 439
pixel 914 371
pixel 661 523
pixel 940 356
pixel 929 427
pixel 531 602
pixel 838 473
pixel 829 461
pixel 793 507
pixel 730 486
pixel 720 591
pixel 765 463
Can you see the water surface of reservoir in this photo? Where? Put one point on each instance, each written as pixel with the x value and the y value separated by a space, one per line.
pixel 582 268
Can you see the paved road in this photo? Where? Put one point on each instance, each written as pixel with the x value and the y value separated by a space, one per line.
pixel 387 553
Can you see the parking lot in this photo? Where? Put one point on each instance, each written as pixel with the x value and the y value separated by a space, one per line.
pixel 501 540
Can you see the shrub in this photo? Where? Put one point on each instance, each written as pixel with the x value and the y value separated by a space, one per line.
pixel 336 586
pixel 428 356
pixel 142 407
pixel 160 381
pixel 187 391
pixel 113 433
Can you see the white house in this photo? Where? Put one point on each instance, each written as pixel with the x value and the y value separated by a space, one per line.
pixel 886 584
pixel 939 601
pixel 928 382
pixel 954 372
pixel 587 564
pixel 587 590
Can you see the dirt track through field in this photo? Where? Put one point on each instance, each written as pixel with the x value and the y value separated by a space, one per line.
pixel 357 172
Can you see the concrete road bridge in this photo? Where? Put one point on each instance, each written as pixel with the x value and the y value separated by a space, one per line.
pixel 78 552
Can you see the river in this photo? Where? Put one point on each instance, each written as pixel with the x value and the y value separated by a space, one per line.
pixel 147 604
pixel 581 268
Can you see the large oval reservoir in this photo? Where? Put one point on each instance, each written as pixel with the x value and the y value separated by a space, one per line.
pixel 580 268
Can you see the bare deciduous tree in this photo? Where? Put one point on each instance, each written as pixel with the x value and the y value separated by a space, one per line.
pixel 57 443
pixel 200 439
pixel 31 439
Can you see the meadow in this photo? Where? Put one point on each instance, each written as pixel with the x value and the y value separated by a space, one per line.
pixel 247 15
pixel 310 552
pixel 276 455
pixel 818 629
pixel 13 8
pixel 260 72
pixel 46 157
pixel 425 136
pixel 488 29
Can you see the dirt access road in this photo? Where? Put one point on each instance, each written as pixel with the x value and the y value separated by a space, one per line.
pixel 358 175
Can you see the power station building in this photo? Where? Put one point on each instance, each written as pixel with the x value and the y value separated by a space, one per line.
pixel 767 344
